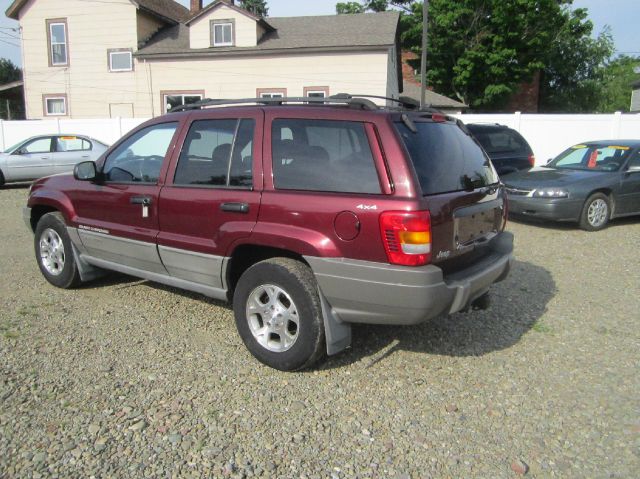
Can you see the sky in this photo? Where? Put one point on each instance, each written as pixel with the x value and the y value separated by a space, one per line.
pixel 620 15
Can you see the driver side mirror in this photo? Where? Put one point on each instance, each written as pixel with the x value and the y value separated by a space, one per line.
pixel 549 160
pixel 85 171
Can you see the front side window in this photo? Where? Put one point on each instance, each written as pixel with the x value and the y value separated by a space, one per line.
pixel 55 105
pixel 39 145
pixel 139 158
pixel 322 155
pixel 217 153
pixel 174 99
pixel 58 45
pixel 222 33
pixel 120 60
pixel 72 143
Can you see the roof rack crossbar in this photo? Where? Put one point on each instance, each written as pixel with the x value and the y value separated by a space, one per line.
pixel 335 99
pixel 355 100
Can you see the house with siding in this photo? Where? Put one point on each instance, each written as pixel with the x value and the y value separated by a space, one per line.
pixel 139 58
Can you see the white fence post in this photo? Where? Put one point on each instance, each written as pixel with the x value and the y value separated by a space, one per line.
pixel 616 121
pixel 516 121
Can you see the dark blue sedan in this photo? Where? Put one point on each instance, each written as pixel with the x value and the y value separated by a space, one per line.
pixel 589 183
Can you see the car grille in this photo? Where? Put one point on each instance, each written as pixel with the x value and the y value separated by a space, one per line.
pixel 517 191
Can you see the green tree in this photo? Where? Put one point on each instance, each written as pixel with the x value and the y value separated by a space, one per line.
pixel 8 71
pixel 12 100
pixel 481 51
pixel 617 78
pixel 349 7
pixel 572 78
pixel 257 7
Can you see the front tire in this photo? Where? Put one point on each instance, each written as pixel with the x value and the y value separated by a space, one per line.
pixel 54 252
pixel 1 178
pixel 595 212
pixel 278 314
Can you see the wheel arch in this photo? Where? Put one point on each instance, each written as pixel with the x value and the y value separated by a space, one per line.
pixel 246 255
pixel 608 192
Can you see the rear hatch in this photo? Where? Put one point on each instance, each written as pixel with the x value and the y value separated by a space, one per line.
pixel 460 188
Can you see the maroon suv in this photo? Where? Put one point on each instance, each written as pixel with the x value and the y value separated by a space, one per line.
pixel 308 214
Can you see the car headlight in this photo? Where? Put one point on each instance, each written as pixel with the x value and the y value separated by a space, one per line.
pixel 550 193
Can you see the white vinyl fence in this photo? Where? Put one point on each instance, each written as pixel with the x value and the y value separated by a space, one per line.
pixel 548 135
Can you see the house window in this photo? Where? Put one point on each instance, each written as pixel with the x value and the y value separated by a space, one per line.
pixel 271 92
pixel 316 91
pixel 120 60
pixel 58 42
pixel 55 105
pixel 173 99
pixel 222 33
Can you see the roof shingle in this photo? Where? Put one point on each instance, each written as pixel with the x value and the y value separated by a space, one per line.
pixel 328 31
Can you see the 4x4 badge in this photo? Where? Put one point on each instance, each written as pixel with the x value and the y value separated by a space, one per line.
pixel 367 207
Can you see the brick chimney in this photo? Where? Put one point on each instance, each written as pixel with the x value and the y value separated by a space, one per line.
pixel 196 6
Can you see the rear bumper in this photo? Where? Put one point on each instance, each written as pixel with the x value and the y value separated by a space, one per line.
pixel 377 293
pixel 560 209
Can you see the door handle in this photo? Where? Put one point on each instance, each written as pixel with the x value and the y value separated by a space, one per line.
pixel 235 207
pixel 85 156
pixel 140 200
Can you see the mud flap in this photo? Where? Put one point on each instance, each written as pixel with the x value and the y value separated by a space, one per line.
pixel 337 333
pixel 87 272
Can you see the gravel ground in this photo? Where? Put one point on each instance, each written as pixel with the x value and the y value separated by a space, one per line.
pixel 125 378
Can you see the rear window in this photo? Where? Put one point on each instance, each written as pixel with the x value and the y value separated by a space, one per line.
pixel 322 155
pixel 446 158
pixel 500 140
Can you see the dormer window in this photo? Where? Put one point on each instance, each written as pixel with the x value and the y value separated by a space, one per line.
pixel 222 33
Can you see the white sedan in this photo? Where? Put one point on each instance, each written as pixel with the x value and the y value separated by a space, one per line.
pixel 47 155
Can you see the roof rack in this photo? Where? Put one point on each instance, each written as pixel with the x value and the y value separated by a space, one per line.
pixel 340 99
pixel 358 101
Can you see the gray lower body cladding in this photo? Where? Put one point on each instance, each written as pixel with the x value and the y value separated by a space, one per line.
pixel 376 293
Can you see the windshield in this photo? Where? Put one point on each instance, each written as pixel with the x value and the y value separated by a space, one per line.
pixel 13 148
pixel 591 158
pixel 446 158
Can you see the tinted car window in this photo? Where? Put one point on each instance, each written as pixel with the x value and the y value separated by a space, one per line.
pixel 501 141
pixel 323 155
pixel 209 148
pixel 446 158
pixel 139 158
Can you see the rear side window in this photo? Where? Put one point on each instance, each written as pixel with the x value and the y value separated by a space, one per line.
pixel 446 158
pixel 72 143
pixel 322 155
pixel 217 153
pixel 501 141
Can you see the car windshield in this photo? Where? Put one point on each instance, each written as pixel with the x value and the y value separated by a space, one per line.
pixel 13 148
pixel 591 158
pixel 446 158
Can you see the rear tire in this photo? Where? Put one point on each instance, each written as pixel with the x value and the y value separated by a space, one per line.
pixel 278 314
pixel 1 178
pixel 54 252
pixel 595 212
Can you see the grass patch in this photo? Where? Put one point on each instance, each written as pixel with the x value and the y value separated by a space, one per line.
pixel 8 330
pixel 540 327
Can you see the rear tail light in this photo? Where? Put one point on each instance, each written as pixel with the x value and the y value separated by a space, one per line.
pixel 532 160
pixel 406 237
